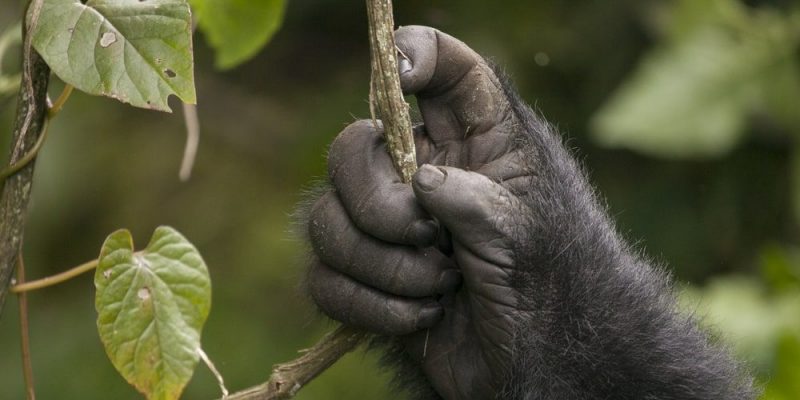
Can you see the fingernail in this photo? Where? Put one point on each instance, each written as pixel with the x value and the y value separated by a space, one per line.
pixel 449 280
pixel 429 315
pixel 423 233
pixel 429 178
pixel 404 65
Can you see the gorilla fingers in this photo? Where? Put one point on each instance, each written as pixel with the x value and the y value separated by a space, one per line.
pixel 497 273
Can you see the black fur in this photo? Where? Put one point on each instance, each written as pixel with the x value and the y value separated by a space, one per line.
pixel 600 321
pixel 605 321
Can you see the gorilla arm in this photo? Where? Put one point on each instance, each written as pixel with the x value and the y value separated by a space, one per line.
pixel 498 274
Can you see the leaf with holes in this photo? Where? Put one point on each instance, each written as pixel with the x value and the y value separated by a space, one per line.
pixel 136 51
pixel 151 308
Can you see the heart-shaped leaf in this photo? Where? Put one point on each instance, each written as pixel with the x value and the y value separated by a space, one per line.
pixel 136 51
pixel 151 308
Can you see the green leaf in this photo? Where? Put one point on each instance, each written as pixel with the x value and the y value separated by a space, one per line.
pixel 693 97
pixel 794 176
pixel 749 318
pixel 686 17
pixel 683 101
pixel 784 382
pixel 780 267
pixel 781 79
pixel 237 29
pixel 136 51
pixel 151 308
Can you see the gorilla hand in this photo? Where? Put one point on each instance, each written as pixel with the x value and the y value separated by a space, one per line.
pixel 498 270
pixel 370 235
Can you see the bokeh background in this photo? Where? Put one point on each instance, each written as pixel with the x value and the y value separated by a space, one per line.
pixel 686 112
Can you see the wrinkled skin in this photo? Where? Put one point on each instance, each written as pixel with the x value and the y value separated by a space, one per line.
pixel 494 263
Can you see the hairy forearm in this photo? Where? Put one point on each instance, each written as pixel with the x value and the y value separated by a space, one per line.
pixel 602 322
pixel 613 328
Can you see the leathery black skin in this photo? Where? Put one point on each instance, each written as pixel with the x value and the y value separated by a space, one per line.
pixel 497 273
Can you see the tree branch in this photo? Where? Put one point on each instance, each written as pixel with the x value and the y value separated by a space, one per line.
pixel 385 91
pixel 288 378
pixel 385 94
pixel 28 124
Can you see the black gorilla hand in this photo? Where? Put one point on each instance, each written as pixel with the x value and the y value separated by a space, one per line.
pixel 497 268
pixel 372 275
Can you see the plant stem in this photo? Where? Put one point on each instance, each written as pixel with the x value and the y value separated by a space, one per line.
pixel 24 332
pixel 385 91
pixel 192 140
pixel 12 169
pixel 54 279
pixel 288 378
pixel 214 371
pixel 28 124
pixel 60 101
pixel 387 96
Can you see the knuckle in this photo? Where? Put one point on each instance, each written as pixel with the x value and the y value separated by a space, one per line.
pixel 352 141
pixel 412 32
pixel 321 221
pixel 326 288
pixel 316 218
pixel 375 210
pixel 316 284
pixel 400 317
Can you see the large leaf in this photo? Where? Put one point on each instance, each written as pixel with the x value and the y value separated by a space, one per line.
pixel 684 101
pixel 136 51
pixel 693 97
pixel 684 18
pixel 237 29
pixel 781 81
pixel 151 308
pixel 784 382
pixel 751 319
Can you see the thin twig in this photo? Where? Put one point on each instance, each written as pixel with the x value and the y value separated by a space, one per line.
pixel 24 332
pixel 52 111
pixel 192 122
pixel 214 371
pixel 60 101
pixel 388 95
pixel 192 140
pixel 288 378
pixel 12 169
pixel 54 279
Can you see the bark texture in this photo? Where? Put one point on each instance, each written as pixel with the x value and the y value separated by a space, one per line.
pixel 30 119
pixel 385 92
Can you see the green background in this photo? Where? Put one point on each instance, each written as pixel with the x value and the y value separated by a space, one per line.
pixel 723 223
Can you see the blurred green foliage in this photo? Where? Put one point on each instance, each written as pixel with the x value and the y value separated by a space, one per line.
pixel 9 38
pixel 237 29
pixel 715 206
pixel 717 65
